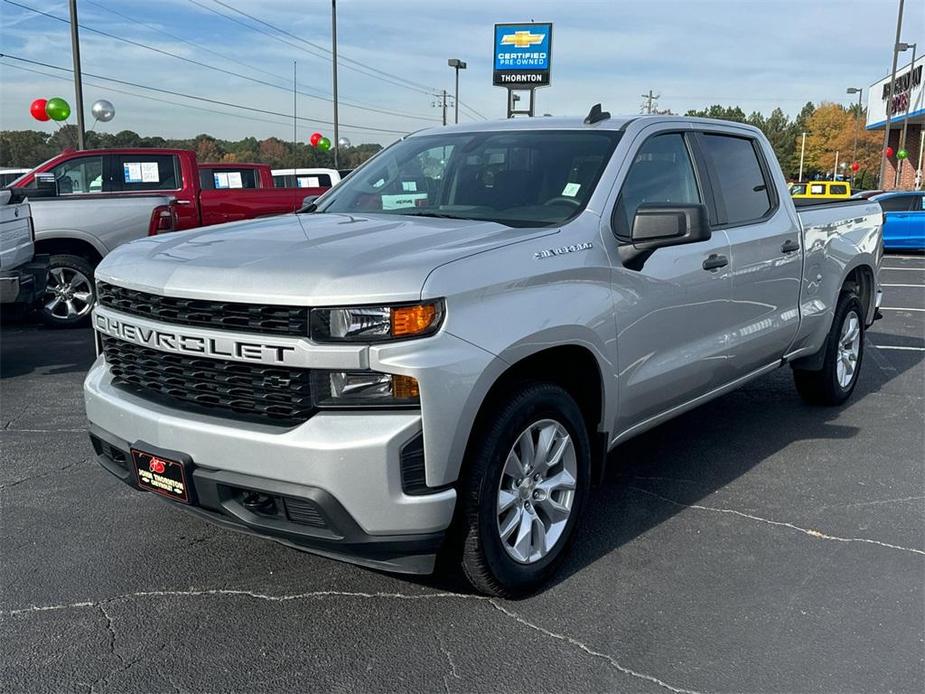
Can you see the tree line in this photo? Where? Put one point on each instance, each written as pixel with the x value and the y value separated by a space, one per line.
pixel 829 128
pixel 28 148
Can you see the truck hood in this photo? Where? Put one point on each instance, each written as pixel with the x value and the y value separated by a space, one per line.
pixel 310 259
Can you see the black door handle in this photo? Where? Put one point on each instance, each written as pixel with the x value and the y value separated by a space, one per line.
pixel 715 262
pixel 790 246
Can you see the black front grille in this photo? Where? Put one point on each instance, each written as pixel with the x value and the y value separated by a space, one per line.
pixel 268 394
pixel 221 315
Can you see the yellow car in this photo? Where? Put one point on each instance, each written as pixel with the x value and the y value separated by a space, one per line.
pixel 821 190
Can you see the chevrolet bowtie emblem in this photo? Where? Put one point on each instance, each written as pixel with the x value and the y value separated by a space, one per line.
pixel 521 39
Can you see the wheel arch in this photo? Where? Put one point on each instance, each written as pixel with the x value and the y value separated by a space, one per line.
pixel 71 245
pixel 573 367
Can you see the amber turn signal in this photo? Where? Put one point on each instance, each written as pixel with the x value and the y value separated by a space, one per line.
pixel 414 320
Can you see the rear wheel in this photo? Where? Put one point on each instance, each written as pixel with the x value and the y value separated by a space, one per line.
pixel 69 294
pixel 523 491
pixel 844 351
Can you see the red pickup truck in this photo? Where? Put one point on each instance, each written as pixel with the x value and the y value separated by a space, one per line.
pixel 85 204
pixel 204 193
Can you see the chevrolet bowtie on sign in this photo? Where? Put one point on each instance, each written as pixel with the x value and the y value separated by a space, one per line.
pixel 522 55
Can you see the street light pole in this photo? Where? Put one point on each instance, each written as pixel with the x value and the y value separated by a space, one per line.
pixel 334 63
pixel 902 48
pixel 458 65
pixel 78 85
pixel 889 101
pixel 857 127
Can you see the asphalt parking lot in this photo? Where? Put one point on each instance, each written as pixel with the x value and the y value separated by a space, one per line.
pixel 755 544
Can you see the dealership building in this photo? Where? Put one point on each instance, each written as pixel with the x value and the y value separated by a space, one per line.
pixel 909 108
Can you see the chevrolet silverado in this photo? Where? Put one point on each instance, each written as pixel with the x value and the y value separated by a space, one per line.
pixel 437 356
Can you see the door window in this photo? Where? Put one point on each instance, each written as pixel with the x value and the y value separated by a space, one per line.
pixel 897 203
pixel 147 172
pixel 80 175
pixel 740 179
pixel 661 172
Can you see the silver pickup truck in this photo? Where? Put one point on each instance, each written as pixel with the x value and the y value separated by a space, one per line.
pixel 439 353
pixel 77 231
pixel 22 274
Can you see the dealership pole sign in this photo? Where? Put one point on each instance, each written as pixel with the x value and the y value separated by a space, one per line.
pixel 521 60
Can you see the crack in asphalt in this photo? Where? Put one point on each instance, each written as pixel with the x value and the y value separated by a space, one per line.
pixel 225 592
pixel 450 662
pixel 43 474
pixel 806 531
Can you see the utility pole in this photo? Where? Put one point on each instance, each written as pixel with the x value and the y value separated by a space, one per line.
pixel 334 62
pixel 650 97
pixel 802 153
pixel 444 106
pixel 857 126
pixel 78 84
pixel 902 47
pixel 295 137
pixel 889 101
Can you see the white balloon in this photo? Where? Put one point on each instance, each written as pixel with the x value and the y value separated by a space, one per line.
pixel 343 142
pixel 103 110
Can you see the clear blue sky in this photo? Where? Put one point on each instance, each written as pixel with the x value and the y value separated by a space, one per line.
pixel 756 54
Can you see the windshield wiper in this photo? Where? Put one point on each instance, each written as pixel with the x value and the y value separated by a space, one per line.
pixel 435 215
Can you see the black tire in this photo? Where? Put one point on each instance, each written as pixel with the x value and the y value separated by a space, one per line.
pixel 58 316
pixel 822 387
pixel 484 560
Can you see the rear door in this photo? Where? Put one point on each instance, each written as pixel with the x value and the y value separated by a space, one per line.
pixel 766 262
pixel 672 310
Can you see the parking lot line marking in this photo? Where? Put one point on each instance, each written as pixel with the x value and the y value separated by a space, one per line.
pixel 900 308
pixel 905 349
pixel 921 286
pixel 905 269
pixel 806 531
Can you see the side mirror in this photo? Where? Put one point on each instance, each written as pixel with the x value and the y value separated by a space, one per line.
pixel 308 203
pixel 657 225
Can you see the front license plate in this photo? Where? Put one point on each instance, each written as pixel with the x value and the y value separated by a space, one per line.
pixel 161 475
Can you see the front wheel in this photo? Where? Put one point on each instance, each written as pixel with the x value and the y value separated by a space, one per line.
pixel 523 491
pixel 69 294
pixel 844 351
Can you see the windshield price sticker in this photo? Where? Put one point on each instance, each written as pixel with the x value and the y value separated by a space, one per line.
pixel 132 172
pixel 571 190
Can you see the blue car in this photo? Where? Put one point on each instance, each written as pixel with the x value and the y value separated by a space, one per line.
pixel 903 220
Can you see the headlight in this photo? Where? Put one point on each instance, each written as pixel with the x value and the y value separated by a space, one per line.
pixel 375 323
pixel 363 389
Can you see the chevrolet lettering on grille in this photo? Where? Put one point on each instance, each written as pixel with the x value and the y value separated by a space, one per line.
pixel 191 343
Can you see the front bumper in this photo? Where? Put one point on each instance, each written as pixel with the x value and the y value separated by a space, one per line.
pixel 341 470
pixel 25 284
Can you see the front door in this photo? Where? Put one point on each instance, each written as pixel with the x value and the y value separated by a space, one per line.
pixel 672 309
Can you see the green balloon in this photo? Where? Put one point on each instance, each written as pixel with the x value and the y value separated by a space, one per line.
pixel 902 154
pixel 57 109
pixel 324 144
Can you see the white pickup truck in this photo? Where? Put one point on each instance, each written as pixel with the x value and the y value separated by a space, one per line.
pixel 439 353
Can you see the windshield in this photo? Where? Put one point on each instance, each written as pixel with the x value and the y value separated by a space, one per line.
pixel 520 179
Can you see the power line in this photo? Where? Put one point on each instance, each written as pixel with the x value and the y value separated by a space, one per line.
pixel 218 102
pixel 319 47
pixel 207 66
pixel 305 50
pixel 148 97
pixel 322 96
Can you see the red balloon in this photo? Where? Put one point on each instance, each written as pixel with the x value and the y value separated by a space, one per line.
pixel 315 139
pixel 889 152
pixel 855 167
pixel 37 109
